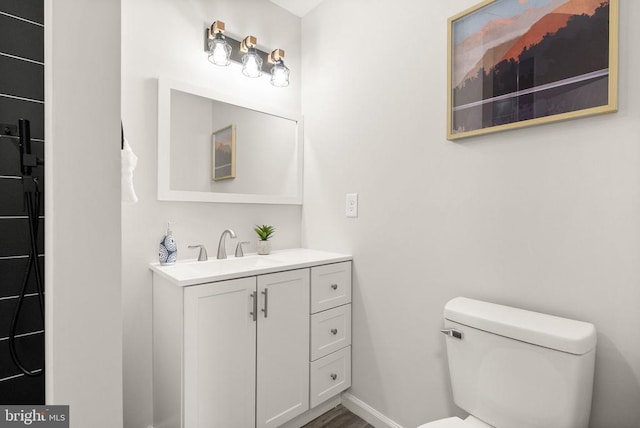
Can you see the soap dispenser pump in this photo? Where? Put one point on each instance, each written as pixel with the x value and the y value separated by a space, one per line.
pixel 168 253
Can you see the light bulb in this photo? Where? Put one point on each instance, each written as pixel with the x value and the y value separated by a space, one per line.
pixel 252 64
pixel 219 51
pixel 280 74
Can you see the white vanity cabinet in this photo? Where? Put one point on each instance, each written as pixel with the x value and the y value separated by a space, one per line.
pixel 245 354
pixel 238 352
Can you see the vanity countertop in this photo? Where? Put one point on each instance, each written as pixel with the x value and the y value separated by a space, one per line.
pixel 192 272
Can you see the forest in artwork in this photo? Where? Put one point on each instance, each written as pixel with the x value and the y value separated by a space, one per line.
pixel 565 69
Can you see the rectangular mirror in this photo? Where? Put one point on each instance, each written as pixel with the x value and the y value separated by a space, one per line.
pixel 216 147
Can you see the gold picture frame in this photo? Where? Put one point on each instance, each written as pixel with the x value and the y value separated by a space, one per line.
pixel 223 149
pixel 518 63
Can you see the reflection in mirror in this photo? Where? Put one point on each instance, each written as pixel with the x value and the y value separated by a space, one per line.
pixel 262 164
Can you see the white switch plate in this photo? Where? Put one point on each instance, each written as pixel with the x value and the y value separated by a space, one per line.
pixel 352 205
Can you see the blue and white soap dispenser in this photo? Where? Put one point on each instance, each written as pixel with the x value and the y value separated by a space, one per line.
pixel 168 253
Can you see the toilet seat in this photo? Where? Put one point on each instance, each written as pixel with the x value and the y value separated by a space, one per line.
pixel 445 423
pixel 470 422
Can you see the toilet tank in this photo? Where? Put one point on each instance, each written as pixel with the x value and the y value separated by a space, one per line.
pixel 517 368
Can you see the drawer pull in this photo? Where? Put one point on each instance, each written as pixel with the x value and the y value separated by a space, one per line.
pixel 265 292
pixel 333 376
pixel 334 331
pixel 334 286
pixel 254 313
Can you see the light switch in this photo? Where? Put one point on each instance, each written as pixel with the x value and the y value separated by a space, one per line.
pixel 352 205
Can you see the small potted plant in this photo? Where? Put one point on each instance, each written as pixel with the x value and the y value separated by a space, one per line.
pixel 264 233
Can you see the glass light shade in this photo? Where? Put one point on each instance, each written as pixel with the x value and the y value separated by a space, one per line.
pixel 252 64
pixel 219 51
pixel 280 74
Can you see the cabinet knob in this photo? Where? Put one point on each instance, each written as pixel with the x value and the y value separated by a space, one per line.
pixel 334 286
pixel 334 331
pixel 333 376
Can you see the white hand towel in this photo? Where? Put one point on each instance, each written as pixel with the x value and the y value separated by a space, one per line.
pixel 129 161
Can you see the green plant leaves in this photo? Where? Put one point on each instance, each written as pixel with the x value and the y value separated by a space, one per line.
pixel 264 232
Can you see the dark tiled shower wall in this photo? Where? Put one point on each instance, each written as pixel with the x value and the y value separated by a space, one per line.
pixel 21 97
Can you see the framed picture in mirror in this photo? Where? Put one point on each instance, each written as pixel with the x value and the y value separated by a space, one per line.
pixel 224 153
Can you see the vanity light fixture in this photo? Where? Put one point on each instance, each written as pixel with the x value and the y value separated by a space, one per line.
pixel 223 49
pixel 219 49
pixel 251 61
pixel 279 71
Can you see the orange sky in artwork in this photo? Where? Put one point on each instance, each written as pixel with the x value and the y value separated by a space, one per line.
pixel 578 7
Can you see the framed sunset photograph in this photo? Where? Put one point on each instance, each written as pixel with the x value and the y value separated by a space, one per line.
pixel 517 63
pixel 224 153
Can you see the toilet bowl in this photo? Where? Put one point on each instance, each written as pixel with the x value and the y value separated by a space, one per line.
pixel 500 358
pixel 469 422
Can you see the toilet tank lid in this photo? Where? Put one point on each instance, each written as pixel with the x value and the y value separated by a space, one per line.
pixel 562 334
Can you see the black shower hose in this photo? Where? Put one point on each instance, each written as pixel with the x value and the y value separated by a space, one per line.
pixel 32 202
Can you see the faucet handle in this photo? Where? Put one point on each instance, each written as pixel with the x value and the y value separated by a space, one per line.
pixel 202 256
pixel 239 252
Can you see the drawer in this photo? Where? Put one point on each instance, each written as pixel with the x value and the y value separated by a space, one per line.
pixel 330 286
pixel 330 375
pixel 330 331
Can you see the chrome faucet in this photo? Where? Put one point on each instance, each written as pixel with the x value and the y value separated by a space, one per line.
pixel 222 250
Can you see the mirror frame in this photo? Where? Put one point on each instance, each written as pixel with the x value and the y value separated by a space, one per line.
pixel 165 193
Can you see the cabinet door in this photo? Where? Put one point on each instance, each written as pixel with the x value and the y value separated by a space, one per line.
pixel 283 347
pixel 219 355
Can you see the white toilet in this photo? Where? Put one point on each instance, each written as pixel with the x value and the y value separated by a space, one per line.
pixel 512 368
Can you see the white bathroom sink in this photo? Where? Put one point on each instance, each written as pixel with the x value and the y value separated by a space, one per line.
pixel 191 272
pixel 233 264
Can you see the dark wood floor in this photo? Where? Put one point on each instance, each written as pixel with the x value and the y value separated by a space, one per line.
pixel 339 417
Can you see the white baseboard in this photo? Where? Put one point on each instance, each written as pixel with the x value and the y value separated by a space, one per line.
pixel 366 412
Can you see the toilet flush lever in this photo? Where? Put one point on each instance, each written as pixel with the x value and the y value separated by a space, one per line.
pixel 452 332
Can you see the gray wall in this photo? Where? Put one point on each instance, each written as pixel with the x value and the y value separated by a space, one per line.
pixel 83 300
pixel 545 218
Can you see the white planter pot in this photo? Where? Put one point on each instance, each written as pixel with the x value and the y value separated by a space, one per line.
pixel 264 247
